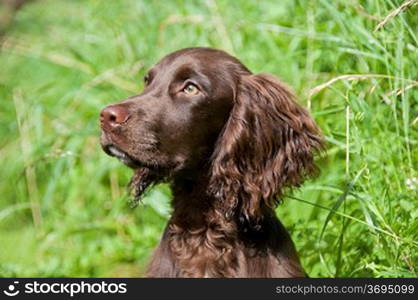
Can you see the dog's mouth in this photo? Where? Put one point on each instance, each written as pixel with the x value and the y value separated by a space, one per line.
pixel 124 157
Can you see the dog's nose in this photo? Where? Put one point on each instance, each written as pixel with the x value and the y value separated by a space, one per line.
pixel 113 115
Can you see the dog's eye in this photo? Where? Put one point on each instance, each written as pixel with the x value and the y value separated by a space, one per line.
pixel 191 89
pixel 146 79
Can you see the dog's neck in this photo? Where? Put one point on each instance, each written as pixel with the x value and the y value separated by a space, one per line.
pixel 198 223
pixel 192 203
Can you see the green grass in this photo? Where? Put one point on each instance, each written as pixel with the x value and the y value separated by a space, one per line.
pixel 63 205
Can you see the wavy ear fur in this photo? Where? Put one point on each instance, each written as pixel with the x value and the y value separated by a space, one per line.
pixel 267 144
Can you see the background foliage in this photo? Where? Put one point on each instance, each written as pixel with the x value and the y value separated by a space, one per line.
pixel 63 205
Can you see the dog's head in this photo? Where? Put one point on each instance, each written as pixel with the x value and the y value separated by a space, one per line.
pixel 201 109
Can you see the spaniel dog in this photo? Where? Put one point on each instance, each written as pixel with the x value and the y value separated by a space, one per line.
pixel 229 142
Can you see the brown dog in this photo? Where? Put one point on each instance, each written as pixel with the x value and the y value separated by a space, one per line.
pixel 229 142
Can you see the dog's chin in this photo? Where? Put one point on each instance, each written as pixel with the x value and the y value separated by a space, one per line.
pixel 143 176
pixel 142 179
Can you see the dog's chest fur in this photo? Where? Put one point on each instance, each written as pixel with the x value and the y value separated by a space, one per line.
pixel 209 251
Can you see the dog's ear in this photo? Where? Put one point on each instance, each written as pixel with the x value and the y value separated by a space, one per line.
pixel 267 144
